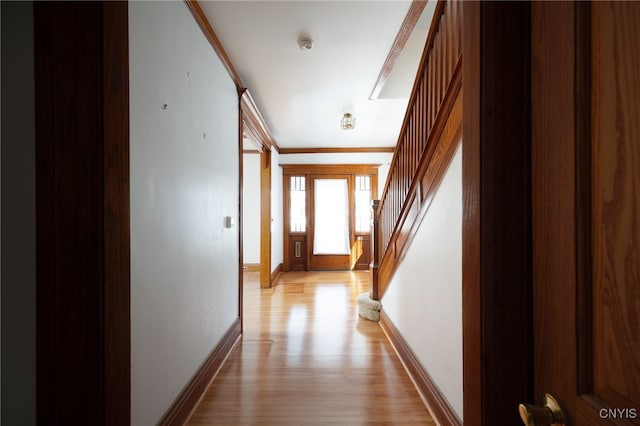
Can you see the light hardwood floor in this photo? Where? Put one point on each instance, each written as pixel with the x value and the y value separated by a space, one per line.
pixel 306 358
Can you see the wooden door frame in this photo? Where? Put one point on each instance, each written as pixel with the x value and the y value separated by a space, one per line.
pixel 265 218
pixel 252 123
pixel 496 228
pixel 83 333
pixel 309 170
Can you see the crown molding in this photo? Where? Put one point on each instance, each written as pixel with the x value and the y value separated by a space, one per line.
pixel 210 35
pixel 255 124
pixel 409 23
pixel 252 118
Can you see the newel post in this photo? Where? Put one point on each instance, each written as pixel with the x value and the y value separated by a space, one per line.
pixel 375 243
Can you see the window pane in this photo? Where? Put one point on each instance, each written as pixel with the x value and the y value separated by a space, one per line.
pixel 363 203
pixel 297 196
pixel 331 231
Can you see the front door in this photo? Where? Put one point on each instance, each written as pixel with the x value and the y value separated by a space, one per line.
pixel 586 209
pixel 331 222
pixel 327 218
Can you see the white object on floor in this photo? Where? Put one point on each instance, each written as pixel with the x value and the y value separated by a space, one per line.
pixel 368 308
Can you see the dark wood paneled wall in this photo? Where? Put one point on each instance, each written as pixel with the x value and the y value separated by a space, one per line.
pixel 82 196
pixel 497 329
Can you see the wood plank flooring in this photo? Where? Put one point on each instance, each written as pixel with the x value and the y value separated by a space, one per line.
pixel 306 358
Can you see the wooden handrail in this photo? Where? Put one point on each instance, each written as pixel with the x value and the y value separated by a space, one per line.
pixel 434 93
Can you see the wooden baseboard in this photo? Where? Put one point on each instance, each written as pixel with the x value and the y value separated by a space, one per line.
pixel 181 409
pixel 251 267
pixel 276 272
pixel 436 403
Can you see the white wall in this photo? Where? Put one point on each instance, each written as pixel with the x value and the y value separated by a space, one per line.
pixel 184 275
pixel 18 216
pixel 424 298
pixel 251 208
pixel 277 251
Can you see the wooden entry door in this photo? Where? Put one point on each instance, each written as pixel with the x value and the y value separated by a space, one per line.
pixel 586 209
pixel 331 221
pixel 299 215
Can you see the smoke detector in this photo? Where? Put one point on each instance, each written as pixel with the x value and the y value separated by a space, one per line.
pixel 305 43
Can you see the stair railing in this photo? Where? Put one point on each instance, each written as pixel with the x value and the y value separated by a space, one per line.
pixel 435 90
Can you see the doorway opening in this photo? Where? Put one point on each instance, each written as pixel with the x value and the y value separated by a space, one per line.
pixel 327 216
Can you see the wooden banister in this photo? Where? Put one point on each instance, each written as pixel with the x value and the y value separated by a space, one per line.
pixel 416 166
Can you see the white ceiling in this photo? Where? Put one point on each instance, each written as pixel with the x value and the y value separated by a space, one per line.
pixel 303 94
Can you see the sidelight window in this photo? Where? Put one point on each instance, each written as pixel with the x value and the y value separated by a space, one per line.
pixel 363 203
pixel 298 197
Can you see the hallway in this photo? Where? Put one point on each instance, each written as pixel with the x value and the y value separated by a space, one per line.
pixel 306 358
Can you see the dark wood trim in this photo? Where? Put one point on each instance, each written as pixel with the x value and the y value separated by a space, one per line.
pixel 409 23
pixel 240 212
pixel 435 401
pixel 250 151
pixel 253 120
pixel 584 187
pixel 336 150
pixel 265 219
pixel 472 371
pixel 210 35
pixel 117 258
pixel 82 215
pixel 329 169
pixel 276 273
pixel 255 124
pixel 496 265
pixel 443 141
pixel 188 399
pixel 286 222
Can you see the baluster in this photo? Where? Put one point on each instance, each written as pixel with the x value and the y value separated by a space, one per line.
pixel 438 63
pixel 423 114
pixel 416 135
pixel 410 147
pixel 443 58
pixel 458 28
pixel 411 144
pixel 449 25
pixel 430 90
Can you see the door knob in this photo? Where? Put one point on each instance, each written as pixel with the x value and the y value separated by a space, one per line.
pixel 550 413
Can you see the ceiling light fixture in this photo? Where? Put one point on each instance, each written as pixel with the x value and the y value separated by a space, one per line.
pixel 348 121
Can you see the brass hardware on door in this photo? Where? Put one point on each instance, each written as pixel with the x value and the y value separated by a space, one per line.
pixel 550 413
pixel 297 248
